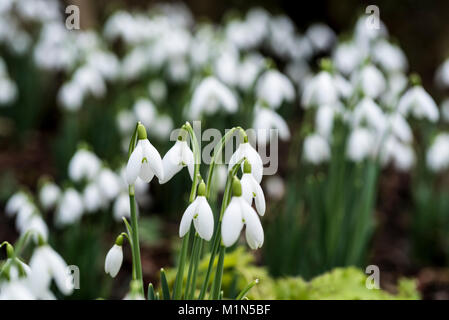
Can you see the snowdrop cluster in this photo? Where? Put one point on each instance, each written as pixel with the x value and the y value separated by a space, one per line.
pixel 364 87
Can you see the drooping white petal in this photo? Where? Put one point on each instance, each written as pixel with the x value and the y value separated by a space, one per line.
pixel 254 231
pixel 232 223
pixel 146 174
pixel 113 260
pixel 203 219
pixel 58 268
pixel 153 157
pixel 134 164
pixel 259 197
pixel 247 188
pixel 187 158
pixel 187 217
pixel 255 160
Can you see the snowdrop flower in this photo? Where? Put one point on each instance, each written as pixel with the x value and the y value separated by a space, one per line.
pixel 245 150
pixel 399 153
pixel 15 203
pixel 108 183
pixel 121 207
pixel 227 65
pixel 321 36
pixel 209 96
pixel 370 80
pixel 70 208
pixel 157 90
pixel 114 258
pixel 237 214
pixel 49 195
pixel 71 96
pixel 324 120
pixel 389 57
pixel 346 57
pixel 252 190
pixel 178 157
pixel 200 212
pixel 16 290
pixel 162 127
pixel 84 165
pixel 417 102
pixel 368 112
pixel 45 264
pixel 400 127
pixel 438 154
pixel 36 225
pixel 442 75
pixel 316 149
pixel 445 110
pixel 90 80
pixel 320 90
pixel 145 111
pixel 248 71
pixel 92 198
pixel 360 144
pixel 126 121
pixel 8 91
pixel 266 119
pixel 274 88
pixel 275 187
pixel 145 161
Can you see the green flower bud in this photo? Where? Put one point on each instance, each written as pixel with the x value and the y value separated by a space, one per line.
pixel 9 250
pixel 202 189
pixel 415 79
pixel 119 240
pixel 236 187
pixel 326 65
pixel 141 131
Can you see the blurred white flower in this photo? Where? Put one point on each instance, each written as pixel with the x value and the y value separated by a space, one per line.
pixel 8 91
pixel 126 121
pixel 162 127
pixel 121 207
pixel 361 144
pixel 316 149
pixel 442 75
pixel 400 127
pixel 70 208
pixel 438 154
pixel 108 183
pixel 445 110
pixel 418 103
pixel 321 36
pixel 274 88
pixel 15 203
pixel 266 119
pixel 49 195
pixel 320 90
pixel 347 57
pixel 209 95
pixel 370 80
pixel 275 187
pixel 369 113
pixel 46 264
pixel 157 90
pixel 84 165
pixel 400 154
pixel 145 111
pixel 71 96
pixel 92 198
pixel 390 57
pixel 248 70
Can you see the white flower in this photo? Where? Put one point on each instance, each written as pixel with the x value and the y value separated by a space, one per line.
pixel 144 162
pixel 200 212
pixel 15 203
pixel 438 154
pixel 361 144
pixel 49 195
pixel 227 65
pixel 320 90
pixel 113 260
pixel 274 88
pixel 16 290
pixel 399 153
pixel 157 90
pixel 275 187
pixel 419 103
pixel 108 183
pixel 347 57
pixel 445 110
pixel 245 150
pixel 36 224
pixel 321 36
pixel 84 165
pixel 45 264
pixel 237 214
pixel 252 190
pixel 370 80
pixel 178 157
pixel 121 207
pixel 126 121
pixel 90 80
pixel 324 120
pixel 145 111
pixel 209 96
pixel 92 198
pixel 368 112
pixel 316 149
pixel 442 75
pixel 400 127
pixel 266 119
pixel 70 208
pixel 389 57
pixel 249 70
pixel 71 96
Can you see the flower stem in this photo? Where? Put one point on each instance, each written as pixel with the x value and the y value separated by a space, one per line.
pixel 216 286
pixel 135 239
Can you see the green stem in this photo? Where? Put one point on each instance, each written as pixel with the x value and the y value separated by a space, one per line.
pixel 135 239
pixel 192 259
pixel 219 274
